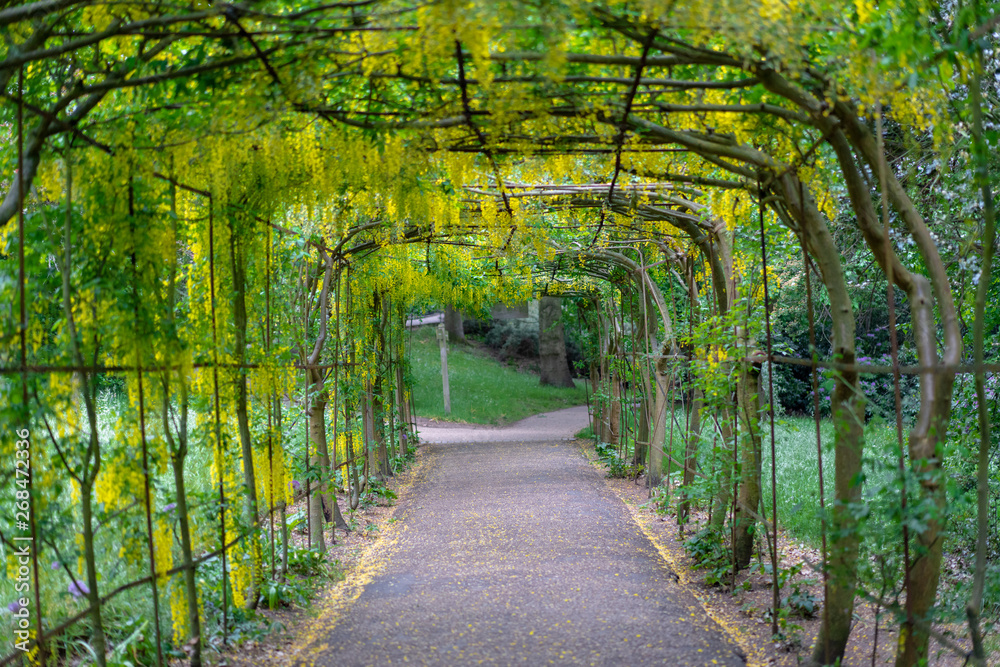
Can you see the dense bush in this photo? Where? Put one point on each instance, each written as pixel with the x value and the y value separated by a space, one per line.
pixel 513 338
pixel 478 328
pixel 519 339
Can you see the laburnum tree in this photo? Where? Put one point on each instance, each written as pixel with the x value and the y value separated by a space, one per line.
pixel 235 197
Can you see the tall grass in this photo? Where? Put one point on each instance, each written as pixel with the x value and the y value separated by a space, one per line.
pixel 880 512
pixel 797 470
pixel 483 390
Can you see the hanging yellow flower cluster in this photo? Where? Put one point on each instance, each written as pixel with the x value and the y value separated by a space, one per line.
pixel 178 611
pixel 163 543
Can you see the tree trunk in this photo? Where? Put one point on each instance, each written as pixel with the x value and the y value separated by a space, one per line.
pixel 367 432
pixel 659 435
pixel 647 408
pixel 93 596
pixel 403 409
pixel 237 258
pixel 599 403
pixel 848 411
pixel 690 457
pixel 603 389
pixel 852 138
pixel 615 408
pixel 454 325
pixel 282 508
pixel 88 478
pixel 384 470
pixel 694 412
pixel 974 606
pixel 250 515
pixel 748 501
pixel 552 344
pixel 928 432
pixel 317 435
pixel 324 499
pixel 283 521
pixel 376 389
pixel 642 439
pixel 402 393
pixel 319 461
pixel 178 449
pixel 724 491
pixel 317 540
pixel 926 442
pixel 177 455
pixel 352 471
pixel 93 453
pixel 391 415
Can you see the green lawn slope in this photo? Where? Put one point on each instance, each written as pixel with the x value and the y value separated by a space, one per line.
pixel 483 390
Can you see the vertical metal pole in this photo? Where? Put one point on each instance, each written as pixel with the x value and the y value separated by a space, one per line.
pixel 893 343
pixel 218 417
pixel 337 358
pixel 32 518
pixel 814 376
pixel 442 336
pixel 142 432
pixel 776 601
pixel 305 402
pixel 270 410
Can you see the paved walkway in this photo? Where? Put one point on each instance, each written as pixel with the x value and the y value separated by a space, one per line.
pixel 516 552
pixel 432 318
pixel 558 425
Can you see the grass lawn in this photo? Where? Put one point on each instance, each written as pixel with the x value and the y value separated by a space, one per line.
pixel 798 472
pixel 483 390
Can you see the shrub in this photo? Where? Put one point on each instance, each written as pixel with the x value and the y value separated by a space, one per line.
pixel 513 338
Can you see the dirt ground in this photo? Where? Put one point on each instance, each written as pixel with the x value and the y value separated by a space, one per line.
pixel 350 554
pixel 743 613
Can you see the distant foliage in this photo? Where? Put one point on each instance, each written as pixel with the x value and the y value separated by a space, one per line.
pixel 514 338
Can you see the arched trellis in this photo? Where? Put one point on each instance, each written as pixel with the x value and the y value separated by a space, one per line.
pixel 839 126
pixel 794 205
pixel 801 102
pixel 655 202
pixel 172 381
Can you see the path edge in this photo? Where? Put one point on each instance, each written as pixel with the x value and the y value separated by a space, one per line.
pixel 753 655
pixel 372 561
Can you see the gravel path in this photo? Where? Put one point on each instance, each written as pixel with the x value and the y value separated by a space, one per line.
pixel 558 425
pixel 515 552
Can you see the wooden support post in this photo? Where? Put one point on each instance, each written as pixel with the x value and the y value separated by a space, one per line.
pixel 442 336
